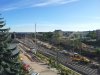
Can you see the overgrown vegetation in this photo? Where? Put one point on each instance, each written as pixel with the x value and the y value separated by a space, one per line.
pixel 53 64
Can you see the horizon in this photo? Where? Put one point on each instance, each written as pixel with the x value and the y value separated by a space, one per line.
pixel 50 15
pixel 54 30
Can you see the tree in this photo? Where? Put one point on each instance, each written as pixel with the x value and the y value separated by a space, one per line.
pixel 47 36
pixel 56 38
pixel 9 64
pixel 92 34
pixel 97 52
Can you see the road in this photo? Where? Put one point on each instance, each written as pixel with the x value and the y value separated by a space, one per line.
pixel 64 59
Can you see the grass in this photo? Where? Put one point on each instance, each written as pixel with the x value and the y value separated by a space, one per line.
pixel 63 70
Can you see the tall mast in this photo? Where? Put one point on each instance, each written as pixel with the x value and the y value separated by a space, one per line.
pixel 35 38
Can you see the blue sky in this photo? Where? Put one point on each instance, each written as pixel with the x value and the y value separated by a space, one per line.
pixel 67 15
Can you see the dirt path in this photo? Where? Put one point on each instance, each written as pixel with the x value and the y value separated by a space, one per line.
pixel 38 67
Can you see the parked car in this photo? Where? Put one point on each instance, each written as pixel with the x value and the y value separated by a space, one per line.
pixel 26 66
pixel 64 52
pixel 34 73
pixel 95 65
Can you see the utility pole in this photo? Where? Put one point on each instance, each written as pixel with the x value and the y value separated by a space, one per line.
pixel 25 38
pixel 35 39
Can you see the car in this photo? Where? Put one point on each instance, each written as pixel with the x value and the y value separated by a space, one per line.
pixel 63 51
pixel 34 73
pixel 95 65
pixel 26 66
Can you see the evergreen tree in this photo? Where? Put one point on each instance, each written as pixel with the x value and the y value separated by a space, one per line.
pixel 9 64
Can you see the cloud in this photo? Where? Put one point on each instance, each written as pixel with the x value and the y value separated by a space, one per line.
pixel 7 9
pixel 54 2
pixel 18 4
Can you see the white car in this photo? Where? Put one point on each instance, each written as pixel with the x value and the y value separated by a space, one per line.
pixel 63 51
pixel 34 73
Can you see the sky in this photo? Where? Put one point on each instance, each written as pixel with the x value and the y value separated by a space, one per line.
pixel 50 15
